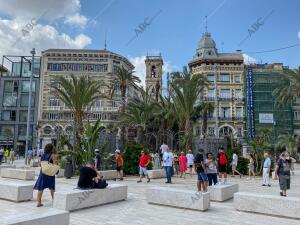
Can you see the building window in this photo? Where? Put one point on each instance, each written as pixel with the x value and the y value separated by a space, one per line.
pixel 8 115
pixel 225 93
pixel 238 94
pixel 198 131
pixel 11 86
pixel 296 115
pixel 211 77
pixel 23 116
pixel 224 77
pixel 225 112
pixel 239 132
pixel 26 86
pixel 7 132
pixel 54 101
pixel 211 93
pixel 211 131
pixel 25 100
pixel 237 79
pixel 238 112
pixel 9 99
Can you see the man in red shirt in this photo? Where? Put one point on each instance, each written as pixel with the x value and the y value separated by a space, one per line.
pixel 144 161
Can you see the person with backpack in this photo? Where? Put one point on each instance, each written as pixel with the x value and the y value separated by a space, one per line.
pixel 283 166
pixel 222 162
pixel 200 168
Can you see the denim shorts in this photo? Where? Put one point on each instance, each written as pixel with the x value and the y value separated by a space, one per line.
pixel 202 176
pixel 143 170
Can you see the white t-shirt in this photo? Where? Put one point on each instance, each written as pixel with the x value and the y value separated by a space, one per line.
pixel 190 159
pixel 234 159
pixel 168 159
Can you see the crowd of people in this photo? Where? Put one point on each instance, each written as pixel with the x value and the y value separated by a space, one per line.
pixel 210 169
pixel 7 155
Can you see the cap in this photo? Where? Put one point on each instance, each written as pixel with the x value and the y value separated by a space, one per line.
pixel 117 151
pixel 96 150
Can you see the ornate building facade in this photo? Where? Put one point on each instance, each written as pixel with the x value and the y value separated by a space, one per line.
pixel 225 92
pixel 54 117
pixel 154 73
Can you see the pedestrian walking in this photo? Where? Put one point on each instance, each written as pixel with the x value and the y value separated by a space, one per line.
pixel 251 167
pixel 6 154
pixel 266 170
pixel 284 173
pixel 44 181
pixel 234 164
pixel 222 162
pixel 168 163
pixel 1 154
pixel 97 159
pixel 190 161
pixel 176 164
pixel 200 168
pixel 211 169
pixel 120 162
pixel 182 164
pixel 11 157
pixel 144 162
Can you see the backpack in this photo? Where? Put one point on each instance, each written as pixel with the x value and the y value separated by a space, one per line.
pixel 223 159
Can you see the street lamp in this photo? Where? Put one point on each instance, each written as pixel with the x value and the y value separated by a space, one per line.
pixel 29 104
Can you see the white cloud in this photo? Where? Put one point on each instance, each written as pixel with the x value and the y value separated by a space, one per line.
pixel 299 34
pixel 77 19
pixel 15 42
pixel 67 10
pixel 140 67
pixel 248 59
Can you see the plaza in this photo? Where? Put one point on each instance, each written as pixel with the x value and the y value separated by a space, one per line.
pixel 135 210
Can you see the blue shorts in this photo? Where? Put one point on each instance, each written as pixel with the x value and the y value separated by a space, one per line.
pixel 202 176
pixel 143 170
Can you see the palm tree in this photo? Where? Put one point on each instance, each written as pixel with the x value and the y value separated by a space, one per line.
pixel 78 95
pixel 185 94
pixel 290 87
pixel 206 108
pixel 126 78
pixel 288 141
pixel 139 112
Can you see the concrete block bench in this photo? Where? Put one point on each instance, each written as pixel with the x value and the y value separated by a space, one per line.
pixel 153 174
pixel 268 204
pixel 16 191
pixel 7 166
pixel 21 174
pixel 71 200
pixel 222 192
pixel 44 216
pixel 179 198
pixel 108 174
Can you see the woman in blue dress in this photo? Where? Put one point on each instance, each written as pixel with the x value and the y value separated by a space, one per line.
pixel 45 181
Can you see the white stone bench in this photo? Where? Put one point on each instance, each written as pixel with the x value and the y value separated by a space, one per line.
pixel 222 192
pixel 7 166
pixel 21 174
pixel 108 174
pixel 44 216
pixel 71 200
pixel 179 198
pixel 153 174
pixel 267 204
pixel 16 191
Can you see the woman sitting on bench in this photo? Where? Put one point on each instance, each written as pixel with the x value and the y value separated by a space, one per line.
pixel 88 178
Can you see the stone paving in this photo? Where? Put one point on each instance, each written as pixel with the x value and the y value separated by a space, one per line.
pixel 135 210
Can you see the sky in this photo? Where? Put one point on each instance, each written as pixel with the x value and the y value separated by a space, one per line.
pixel 135 28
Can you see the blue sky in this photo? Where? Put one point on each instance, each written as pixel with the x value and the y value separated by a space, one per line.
pixel 175 31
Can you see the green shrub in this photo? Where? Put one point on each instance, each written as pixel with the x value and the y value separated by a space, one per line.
pixel 131 159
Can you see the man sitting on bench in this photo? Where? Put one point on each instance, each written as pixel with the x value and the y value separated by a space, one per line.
pixel 88 178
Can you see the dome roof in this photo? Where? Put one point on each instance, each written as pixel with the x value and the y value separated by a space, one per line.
pixel 206 41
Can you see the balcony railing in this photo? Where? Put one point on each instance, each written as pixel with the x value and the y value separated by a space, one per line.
pixel 92 109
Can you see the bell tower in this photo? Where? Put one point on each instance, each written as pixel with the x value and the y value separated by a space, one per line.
pixel 154 75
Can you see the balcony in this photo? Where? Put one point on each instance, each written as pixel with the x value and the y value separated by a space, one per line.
pixel 225 118
pixel 225 99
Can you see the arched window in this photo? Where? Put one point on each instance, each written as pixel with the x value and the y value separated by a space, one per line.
pixel 153 71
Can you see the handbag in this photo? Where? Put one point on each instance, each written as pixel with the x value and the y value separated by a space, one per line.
pixel 48 168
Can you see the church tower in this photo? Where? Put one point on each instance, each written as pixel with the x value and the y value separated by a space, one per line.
pixel 154 75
